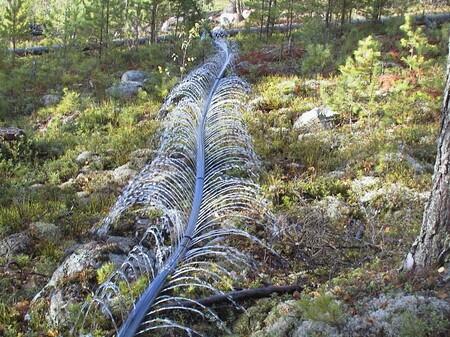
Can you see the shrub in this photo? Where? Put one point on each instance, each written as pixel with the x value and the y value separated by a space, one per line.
pixel 416 44
pixel 318 59
pixel 322 308
pixel 355 91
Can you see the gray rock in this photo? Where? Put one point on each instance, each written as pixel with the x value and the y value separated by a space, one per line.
pixel 134 76
pixel 87 256
pixel 49 100
pixel 85 157
pixel 124 244
pixel 45 231
pixel 83 194
pixel 36 187
pixel 315 119
pixel 61 291
pixel 56 307
pixel 124 90
pixel 140 157
pixel 11 133
pixel 15 244
pixel 69 184
pixel 123 174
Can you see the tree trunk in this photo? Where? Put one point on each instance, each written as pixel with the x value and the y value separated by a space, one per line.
pixel 329 13
pixel 261 19
pixel 343 12
pixel 153 22
pixel 432 247
pixel 107 24
pixel 269 9
pixel 290 22
pixel 101 31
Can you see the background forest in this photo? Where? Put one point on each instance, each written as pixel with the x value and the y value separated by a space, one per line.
pixel 344 114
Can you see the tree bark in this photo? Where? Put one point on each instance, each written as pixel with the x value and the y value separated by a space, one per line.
pixel 432 247
pixel 329 13
pixel 154 11
pixel 343 12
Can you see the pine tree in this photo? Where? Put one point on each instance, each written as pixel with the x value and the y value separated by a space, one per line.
pixel 105 20
pixel 359 72
pixel 432 246
pixel 416 43
pixel 66 21
pixel 356 89
pixel 14 24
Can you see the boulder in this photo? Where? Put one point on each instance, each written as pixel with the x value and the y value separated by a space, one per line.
pixel 67 185
pixel 60 292
pixel 45 231
pixel 85 157
pixel 134 76
pixel 37 186
pixel 66 286
pixel 50 100
pixel 316 119
pixel 15 244
pixel 123 174
pixel 11 133
pixel 89 158
pixel 140 157
pixel 125 90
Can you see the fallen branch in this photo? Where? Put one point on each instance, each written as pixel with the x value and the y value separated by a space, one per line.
pixel 242 295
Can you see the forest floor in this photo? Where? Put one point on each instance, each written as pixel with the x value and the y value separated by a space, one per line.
pixel 347 188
